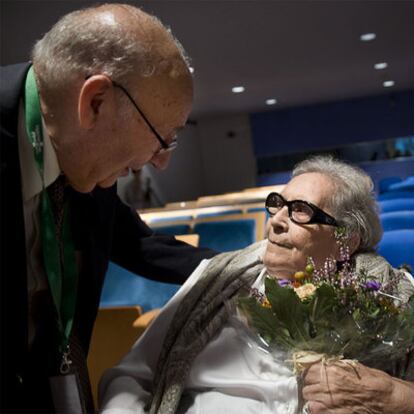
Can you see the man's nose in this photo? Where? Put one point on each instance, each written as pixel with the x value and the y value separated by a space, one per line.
pixel 161 161
pixel 280 220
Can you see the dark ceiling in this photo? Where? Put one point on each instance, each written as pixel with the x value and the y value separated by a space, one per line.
pixel 299 52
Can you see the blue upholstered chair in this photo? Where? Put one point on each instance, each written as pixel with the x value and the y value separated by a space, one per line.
pixel 123 288
pixel 172 229
pixel 398 247
pixel 396 204
pixel 397 220
pixel 256 209
pixel 226 235
pixel 405 185
pixel 396 194
pixel 386 182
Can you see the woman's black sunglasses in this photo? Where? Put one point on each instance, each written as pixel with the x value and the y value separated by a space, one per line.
pixel 300 212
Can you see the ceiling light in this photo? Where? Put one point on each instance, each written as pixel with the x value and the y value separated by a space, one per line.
pixel 238 89
pixel 381 65
pixel 191 69
pixel 388 83
pixel 271 101
pixel 367 37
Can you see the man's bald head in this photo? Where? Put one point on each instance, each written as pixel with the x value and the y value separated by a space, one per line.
pixel 118 40
pixel 95 127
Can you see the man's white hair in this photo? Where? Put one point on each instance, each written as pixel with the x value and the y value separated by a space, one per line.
pixel 94 41
pixel 353 201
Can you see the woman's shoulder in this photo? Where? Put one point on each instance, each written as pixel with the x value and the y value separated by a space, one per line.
pixel 375 266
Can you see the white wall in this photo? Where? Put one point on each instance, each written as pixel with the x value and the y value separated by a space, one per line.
pixel 227 154
pixel 182 180
pixel 207 161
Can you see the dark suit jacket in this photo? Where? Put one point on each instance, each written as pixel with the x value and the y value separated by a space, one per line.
pixel 103 228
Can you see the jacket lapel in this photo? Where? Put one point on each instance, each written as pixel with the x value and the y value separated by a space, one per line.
pixel 13 258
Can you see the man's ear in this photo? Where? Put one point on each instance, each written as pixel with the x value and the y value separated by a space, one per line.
pixel 95 91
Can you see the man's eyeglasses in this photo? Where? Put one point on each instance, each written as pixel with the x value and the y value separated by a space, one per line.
pixel 300 212
pixel 164 146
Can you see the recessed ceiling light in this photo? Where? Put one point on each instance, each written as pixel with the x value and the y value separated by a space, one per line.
pixel 388 83
pixel 238 89
pixel 191 69
pixel 367 37
pixel 381 65
pixel 271 101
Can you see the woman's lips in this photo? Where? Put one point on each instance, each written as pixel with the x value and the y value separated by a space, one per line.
pixel 281 244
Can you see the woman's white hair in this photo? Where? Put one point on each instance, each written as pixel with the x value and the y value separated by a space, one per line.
pixel 353 202
pixel 94 40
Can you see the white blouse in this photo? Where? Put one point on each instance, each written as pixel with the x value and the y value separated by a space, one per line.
pixel 230 375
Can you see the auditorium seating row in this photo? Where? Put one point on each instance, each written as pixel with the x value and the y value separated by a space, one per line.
pixel 396 202
pixel 396 185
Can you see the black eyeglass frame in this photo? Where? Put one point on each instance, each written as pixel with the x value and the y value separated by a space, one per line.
pixel 164 146
pixel 318 216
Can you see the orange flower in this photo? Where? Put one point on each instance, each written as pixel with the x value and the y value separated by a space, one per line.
pixel 266 303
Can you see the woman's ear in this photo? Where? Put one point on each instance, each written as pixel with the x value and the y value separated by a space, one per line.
pixel 353 242
pixel 93 94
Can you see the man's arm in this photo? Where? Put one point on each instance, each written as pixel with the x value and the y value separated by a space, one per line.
pixel 159 257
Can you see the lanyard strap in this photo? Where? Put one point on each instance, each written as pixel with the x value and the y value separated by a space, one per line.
pixel 61 271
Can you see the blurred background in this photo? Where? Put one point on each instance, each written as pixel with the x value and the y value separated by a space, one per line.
pixel 310 76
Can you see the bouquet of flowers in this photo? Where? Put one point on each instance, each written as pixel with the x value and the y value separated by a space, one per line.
pixel 331 314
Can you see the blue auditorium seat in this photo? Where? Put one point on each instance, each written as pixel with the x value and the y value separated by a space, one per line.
pixel 257 210
pixel 396 204
pixel 405 185
pixel 386 182
pixel 123 288
pixel 226 235
pixel 398 247
pixel 173 229
pixel 396 194
pixel 397 220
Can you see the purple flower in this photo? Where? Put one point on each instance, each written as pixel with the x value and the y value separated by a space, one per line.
pixel 372 285
pixel 283 282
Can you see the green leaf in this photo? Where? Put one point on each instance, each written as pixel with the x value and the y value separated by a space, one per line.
pixel 289 310
pixel 322 308
pixel 265 322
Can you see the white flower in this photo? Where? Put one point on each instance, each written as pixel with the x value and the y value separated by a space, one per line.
pixel 305 290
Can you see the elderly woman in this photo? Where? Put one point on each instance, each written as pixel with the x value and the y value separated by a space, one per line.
pixel 192 358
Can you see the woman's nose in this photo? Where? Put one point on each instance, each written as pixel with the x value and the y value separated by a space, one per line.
pixel 280 220
pixel 161 161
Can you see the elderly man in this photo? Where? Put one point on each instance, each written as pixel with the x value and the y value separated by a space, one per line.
pixel 108 91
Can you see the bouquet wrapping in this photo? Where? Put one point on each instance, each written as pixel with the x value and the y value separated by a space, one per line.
pixel 329 315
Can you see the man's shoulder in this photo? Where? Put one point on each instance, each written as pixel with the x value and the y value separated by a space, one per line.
pixel 11 89
pixel 11 85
